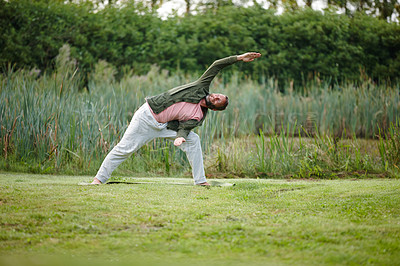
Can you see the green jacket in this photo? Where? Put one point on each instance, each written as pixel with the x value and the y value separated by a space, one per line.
pixel 192 93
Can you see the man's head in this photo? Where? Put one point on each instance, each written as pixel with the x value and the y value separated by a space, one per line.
pixel 216 101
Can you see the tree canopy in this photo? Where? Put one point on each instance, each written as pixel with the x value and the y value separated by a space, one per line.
pixel 297 45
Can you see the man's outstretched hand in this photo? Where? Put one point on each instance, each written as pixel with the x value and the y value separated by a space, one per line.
pixel 248 57
pixel 179 141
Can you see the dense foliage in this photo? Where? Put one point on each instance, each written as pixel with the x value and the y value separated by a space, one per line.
pixel 297 45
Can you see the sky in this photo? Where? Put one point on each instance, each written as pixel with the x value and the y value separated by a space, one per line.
pixel 179 6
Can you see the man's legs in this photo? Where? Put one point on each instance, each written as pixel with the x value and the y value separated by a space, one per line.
pixel 141 130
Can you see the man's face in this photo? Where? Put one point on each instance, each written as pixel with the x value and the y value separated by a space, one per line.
pixel 215 100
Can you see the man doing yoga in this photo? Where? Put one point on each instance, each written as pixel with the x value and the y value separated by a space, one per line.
pixel 172 115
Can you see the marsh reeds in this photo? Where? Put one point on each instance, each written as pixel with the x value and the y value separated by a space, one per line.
pixel 51 123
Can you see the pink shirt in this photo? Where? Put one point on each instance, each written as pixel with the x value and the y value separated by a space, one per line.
pixel 181 111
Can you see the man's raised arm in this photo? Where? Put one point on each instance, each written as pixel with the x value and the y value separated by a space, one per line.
pixel 214 69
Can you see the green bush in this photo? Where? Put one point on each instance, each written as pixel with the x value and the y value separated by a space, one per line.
pixel 300 45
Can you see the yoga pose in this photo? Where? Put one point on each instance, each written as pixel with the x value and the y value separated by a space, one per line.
pixel 172 115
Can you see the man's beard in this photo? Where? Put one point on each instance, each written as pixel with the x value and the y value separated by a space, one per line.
pixel 208 103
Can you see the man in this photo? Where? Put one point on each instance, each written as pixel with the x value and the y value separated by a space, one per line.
pixel 172 115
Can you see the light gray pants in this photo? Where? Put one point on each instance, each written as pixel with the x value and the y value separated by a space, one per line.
pixel 142 129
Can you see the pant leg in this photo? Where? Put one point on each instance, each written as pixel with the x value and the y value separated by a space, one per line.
pixel 142 129
pixel 192 149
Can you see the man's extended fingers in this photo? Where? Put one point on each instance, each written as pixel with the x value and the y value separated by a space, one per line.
pixel 256 55
pixel 249 57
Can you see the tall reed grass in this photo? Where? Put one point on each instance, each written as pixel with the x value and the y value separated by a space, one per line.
pixel 50 123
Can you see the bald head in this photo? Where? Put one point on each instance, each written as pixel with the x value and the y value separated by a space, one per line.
pixel 217 102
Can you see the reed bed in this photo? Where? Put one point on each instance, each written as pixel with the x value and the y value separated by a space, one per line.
pixel 49 123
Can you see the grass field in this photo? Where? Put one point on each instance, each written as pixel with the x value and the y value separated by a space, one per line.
pixel 47 220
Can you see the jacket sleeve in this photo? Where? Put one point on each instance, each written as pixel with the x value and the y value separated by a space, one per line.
pixel 184 128
pixel 214 69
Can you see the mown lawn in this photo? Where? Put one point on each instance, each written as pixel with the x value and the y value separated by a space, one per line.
pixel 47 220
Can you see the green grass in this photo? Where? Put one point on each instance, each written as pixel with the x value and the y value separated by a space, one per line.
pixel 48 219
